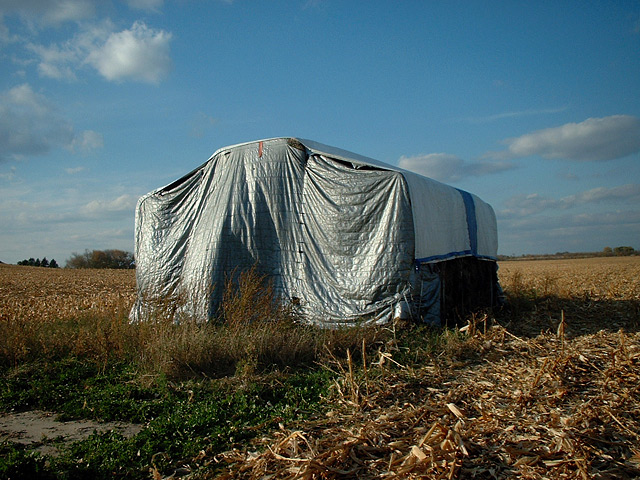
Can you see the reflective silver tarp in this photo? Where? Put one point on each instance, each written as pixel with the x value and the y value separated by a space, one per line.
pixel 338 233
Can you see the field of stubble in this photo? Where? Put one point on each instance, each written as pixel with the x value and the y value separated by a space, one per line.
pixel 595 293
pixel 45 294
pixel 549 387
pixel 55 293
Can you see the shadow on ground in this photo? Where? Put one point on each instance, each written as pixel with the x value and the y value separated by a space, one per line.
pixel 529 315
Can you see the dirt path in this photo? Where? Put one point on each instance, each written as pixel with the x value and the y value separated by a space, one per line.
pixel 42 432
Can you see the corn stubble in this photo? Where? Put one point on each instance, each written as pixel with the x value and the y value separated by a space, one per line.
pixel 545 388
pixel 548 388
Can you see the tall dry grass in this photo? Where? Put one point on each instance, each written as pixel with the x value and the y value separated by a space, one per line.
pixel 253 333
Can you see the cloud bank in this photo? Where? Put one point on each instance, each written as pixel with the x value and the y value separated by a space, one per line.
pixel 595 139
pixel 520 206
pixel 31 125
pixel 450 168
pixel 589 231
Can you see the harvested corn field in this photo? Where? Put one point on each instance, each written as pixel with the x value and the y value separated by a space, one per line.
pixel 548 389
pixel 595 293
pixel 47 312
pixel 57 293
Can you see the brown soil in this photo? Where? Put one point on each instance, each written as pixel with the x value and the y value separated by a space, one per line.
pixel 41 431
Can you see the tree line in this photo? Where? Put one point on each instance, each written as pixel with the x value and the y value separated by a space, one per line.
pixel 619 251
pixel 101 259
pixel 88 259
pixel 39 263
pixel 622 251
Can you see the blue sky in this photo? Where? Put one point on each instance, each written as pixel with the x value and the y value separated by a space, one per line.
pixel 533 106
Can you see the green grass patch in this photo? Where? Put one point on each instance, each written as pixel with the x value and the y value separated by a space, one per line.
pixel 179 419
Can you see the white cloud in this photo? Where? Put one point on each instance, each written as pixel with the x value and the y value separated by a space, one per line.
pixel 568 176
pixel 521 206
pixel 56 61
pixel 149 5
pixel 100 208
pixel 23 97
pixel 10 175
pixel 450 168
pixel 121 238
pixel 60 11
pixel 140 53
pixel 514 114
pixel 74 170
pixel 50 12
pixel 5 37
pixel 595 139
pixel 439 166
pixel 30 124
pixel 629 192
pixel 87 141
pixel 56 72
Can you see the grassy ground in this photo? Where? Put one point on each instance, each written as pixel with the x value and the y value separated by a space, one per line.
pixel 546 388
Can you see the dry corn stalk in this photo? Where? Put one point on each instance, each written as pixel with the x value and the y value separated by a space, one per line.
pixel 538 400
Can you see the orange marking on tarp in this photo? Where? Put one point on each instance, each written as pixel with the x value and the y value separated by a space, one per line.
pixel 260 150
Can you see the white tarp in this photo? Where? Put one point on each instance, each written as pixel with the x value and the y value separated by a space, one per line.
pixel 337 232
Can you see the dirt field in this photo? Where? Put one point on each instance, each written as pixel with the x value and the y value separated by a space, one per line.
pixel 40 430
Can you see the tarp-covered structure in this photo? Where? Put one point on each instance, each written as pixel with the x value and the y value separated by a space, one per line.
pixel 345 237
